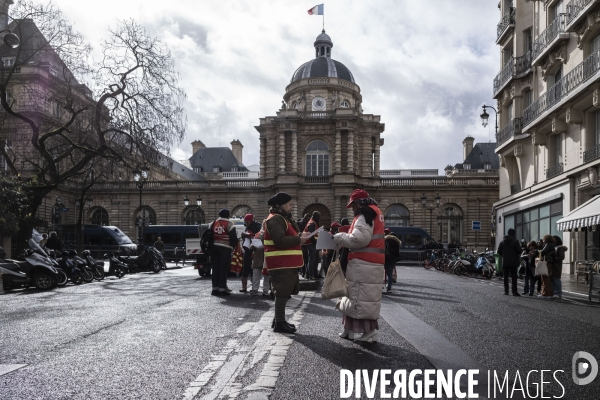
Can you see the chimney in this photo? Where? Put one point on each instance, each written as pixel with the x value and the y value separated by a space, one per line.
pixel 467 146
pixel 236 148
pixel 197 145
pixel 4 4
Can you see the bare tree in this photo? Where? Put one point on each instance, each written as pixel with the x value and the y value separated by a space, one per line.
pixel 53 125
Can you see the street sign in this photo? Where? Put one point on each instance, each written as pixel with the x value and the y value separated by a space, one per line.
pixel 64 209
pixel 476 225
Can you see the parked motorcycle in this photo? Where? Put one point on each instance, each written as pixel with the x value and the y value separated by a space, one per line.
pixel 485 266
pixel 37 270
pixel 149 260
pixel 116 267
pixel 62 276
pixel 70 267
pixel 96 266
pixel 86 271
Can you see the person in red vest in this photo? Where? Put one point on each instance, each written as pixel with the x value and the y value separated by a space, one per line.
pixel 224 241
pixel 311 246
pixel 283 256
pixel 364 273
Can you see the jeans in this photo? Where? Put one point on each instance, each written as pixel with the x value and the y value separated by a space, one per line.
pixel 389 272
pixel 247 265
pixel 512 270
pixel 313 260
pixel 529 281
pixel 557 286
pixel 221 263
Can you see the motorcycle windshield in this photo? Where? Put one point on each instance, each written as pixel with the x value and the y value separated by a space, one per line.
pixel 36 248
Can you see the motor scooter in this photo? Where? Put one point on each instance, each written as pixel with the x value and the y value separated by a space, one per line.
pixel 116 267
pixel 37 270
pixel 96 266
pixel 147 261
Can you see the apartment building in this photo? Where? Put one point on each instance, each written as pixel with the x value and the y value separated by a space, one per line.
pixel 548 111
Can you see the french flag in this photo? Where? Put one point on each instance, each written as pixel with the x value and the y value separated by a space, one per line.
pixel 317 10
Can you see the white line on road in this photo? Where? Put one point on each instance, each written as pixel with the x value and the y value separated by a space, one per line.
pixel 6 368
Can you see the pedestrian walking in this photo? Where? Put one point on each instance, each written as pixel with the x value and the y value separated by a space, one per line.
pixel 510 250
pixel 159 245
pixel 283 256
pixel 252 228
pixel 365 242
pixel 311 246
pixel 392 253
pixel 224 241
pixel 559 257
pixel 547 254
pixel 529 255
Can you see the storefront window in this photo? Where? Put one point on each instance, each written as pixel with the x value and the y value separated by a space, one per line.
pixel 536 222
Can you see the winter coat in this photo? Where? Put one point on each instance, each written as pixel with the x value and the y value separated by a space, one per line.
pixel 363 278
pixel 548 253
pixel 557 267
pixel 259 254
pixel 392 249
pixel 510 250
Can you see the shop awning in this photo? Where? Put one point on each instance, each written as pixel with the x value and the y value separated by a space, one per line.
pixel 586 215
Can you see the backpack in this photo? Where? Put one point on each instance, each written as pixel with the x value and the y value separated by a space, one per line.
pixel 392 250
pixel 206 241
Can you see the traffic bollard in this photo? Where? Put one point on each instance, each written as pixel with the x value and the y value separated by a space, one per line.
pixel 1 285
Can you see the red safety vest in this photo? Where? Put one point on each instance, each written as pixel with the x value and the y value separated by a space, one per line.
pixel 276 258
pixel 220 232
pixel 375 250
pixel 313 239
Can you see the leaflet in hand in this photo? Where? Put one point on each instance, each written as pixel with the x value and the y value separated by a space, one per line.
pixel 315 232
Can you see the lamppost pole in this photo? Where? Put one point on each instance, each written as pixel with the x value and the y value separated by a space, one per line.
pixel 430 208
pixel 140 177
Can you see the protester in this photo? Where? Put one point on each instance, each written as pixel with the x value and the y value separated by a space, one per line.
pixel 252 228
pixel 301 225
pixel 258 259
pixel 392 253
pixel 529 255
pixel 159 245
pixel 559 257
pixel 311 246
pixel 548 255
pixel 54 243
pixel 224 241
pixel 366 243
pixel 283 256
pixel 510 250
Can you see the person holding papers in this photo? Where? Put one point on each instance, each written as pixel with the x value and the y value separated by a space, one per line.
pixel 366 243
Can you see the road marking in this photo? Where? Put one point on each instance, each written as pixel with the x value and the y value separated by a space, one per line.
pixel 241 356
pixel 6 368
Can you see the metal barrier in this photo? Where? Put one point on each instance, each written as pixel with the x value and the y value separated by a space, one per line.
pixel 412 255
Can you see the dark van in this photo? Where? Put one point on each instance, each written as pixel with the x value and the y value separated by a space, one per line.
pixel 173 236
pixel 98 239
pixel 414 238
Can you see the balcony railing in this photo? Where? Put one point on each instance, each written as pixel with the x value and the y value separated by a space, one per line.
pixel 316 179
pixel 397 182
pixel 505 74
pixel 513 128
pixel 574 8
pixel 555 170
pixel 550 33
pixel 591 154
pixel 523 63
pixel 317 114
pixel 577 76
pixel 507 19
pixel 516 188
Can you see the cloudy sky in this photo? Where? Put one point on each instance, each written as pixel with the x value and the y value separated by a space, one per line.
pixel 425 66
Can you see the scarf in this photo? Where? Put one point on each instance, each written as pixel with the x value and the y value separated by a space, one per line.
pixel 288 216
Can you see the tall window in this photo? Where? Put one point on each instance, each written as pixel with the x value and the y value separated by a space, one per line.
pixel 528 98
pixel 99 217
pixel 450 222
pixel 317 159
pixel 509 113
pixel 527 41
pixel 558 9
pixel 146 216
pixel 194 216
pixel 597 128
pixel 595 45
pixel 397 215
pixel 241 211
pixel 557 149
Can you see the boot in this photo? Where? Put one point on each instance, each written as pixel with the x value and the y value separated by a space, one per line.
pixel 273 324
pixel 244 285
pixel 283 327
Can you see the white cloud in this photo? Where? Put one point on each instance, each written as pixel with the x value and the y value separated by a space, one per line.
pixel 425 67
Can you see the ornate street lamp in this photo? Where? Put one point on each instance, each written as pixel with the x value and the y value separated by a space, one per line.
pixel 140 176
pixel 430 208
pixel 485 117
pixel 198 201
pixel 186 201
pixel 10 39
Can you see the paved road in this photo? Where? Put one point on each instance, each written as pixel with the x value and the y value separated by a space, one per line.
pixel 164 337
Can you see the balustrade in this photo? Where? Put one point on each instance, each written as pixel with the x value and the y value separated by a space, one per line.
pixel 507 19
pixel 316 179
pixel 515 188
pixel 549 34
pixel 513 128
pixel 591 154
pixel 574 8
pixel 554 170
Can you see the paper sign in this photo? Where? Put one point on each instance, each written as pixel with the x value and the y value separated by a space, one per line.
pixel 257 243
pixel 325 241
pixel 246 243
pixel 315 232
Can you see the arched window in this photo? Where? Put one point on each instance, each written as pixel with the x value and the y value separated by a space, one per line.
pixel 99 217
pixel 345 104
pixel 397 215
pixel 194 216
pixel 317 158
pixel 146 216
pixel 450 223
pixel 241 211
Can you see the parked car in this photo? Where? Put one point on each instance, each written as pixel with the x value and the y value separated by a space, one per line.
pixel 414 238
pixel 97 239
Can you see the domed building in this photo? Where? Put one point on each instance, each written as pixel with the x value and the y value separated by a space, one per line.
pixel 320 146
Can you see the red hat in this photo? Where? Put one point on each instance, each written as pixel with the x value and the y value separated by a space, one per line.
pixel 248 217
pixel 357 194
pixel 344 229
pixel 335 225
pixel 387 230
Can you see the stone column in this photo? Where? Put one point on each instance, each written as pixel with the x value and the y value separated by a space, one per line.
pixel 295 152
pixel 263 158
pixel 281 152
pixel 377 152
pixel 350 154
pixel 338 151
pixel 337 212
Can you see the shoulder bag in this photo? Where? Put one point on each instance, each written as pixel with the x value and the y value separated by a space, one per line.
pixel 541 268
pixel 335 283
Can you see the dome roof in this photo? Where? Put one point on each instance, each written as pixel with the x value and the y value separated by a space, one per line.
pixel 323 65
